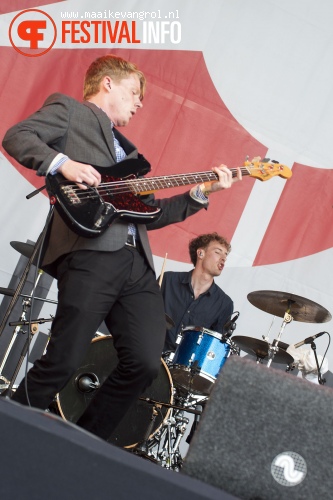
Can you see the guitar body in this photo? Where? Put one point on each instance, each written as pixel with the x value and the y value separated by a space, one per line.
pixel 89 212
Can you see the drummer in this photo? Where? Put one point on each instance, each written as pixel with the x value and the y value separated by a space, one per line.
pixel 193 298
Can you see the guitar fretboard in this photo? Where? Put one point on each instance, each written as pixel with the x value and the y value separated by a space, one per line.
pixel 162 182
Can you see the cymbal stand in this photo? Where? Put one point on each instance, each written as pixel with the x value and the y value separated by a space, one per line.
pixel 21 283
pixel 33 331
pixel 26 304
pixel 273 349
pixel 35 257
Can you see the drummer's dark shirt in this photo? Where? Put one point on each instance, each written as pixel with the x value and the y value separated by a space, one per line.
pixel 211 309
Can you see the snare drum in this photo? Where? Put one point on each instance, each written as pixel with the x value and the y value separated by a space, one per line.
pixel 198 359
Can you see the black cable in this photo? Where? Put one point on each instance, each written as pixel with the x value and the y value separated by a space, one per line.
pixel 321 364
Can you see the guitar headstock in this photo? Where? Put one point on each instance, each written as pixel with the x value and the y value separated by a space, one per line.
pixel 264 169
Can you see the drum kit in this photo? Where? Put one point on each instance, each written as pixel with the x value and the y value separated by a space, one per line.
pixel 156 424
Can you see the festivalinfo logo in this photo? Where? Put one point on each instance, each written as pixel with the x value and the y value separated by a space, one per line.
pixel 33 32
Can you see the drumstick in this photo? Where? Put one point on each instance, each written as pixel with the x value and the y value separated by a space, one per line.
pixel 162 272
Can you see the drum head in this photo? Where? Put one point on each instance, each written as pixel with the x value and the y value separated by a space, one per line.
pixel 98 364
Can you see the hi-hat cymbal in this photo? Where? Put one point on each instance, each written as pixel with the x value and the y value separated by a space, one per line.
pixel 259 348
pixel 279 303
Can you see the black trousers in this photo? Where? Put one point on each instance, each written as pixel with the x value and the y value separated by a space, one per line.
pixel 121 289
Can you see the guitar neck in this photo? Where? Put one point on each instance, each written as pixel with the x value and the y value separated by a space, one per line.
pixel 151 184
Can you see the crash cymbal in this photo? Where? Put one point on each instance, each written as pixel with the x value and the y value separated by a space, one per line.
pixel 300 308
pixel 259 348
pixel 169 322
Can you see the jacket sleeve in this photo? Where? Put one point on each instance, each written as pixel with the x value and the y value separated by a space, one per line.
pixel 174 209
pixel 36 141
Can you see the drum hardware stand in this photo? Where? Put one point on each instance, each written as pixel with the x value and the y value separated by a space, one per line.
pixel 50 301
pixel 234 349
pixel 26 304
pixel 142 448
pixel 21 283
pixel 35 256
pixel 166 442
pixel 273 349
pixel 33 321
pixel 291 367
pixel 266 337
pixel 33 331
pixel 13 302
pixel 194 370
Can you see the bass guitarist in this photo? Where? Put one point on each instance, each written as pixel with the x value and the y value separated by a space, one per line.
pixel 110 277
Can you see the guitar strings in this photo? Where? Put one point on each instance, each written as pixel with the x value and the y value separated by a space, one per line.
pixel 137 185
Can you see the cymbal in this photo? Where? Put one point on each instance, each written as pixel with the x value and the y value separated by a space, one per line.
pixel 25 249
pixel 300 308
pixel 259 348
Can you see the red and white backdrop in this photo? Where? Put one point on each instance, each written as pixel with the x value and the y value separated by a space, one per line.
pixel 226 80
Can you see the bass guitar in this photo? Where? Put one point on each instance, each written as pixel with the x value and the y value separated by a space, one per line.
pixel 89 212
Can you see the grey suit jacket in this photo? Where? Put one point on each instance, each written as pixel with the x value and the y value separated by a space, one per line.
pixel 83 132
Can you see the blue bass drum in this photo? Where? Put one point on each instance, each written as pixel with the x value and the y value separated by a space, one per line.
pixel 198 359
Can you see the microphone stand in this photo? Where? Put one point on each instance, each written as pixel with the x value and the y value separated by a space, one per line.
pixel 321 380
pixel 229 329
pixel 227 334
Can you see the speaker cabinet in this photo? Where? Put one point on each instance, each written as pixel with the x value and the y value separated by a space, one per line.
pixel 265 435
pixel 44 457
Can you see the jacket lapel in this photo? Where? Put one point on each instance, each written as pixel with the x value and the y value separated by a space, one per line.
pixel 104 121
pixel 105 126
